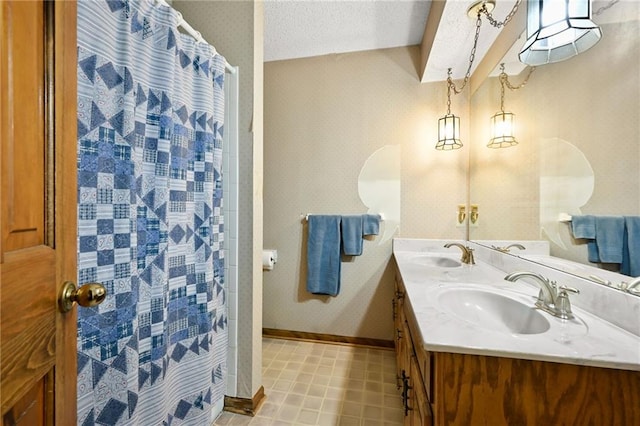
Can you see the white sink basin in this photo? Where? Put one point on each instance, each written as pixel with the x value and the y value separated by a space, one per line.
pixel 435 260
pixel 493 311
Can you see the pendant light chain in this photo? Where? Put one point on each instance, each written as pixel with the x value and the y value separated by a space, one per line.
pixel 508 18
pixel 605 7
pixel 504 76
pixel 503 79
pixel 449 84
pixel 472 57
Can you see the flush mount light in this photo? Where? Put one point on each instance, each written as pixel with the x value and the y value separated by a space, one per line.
pixel 558 30
pixel 476 7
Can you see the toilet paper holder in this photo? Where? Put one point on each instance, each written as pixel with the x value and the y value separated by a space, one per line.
pixel 269 259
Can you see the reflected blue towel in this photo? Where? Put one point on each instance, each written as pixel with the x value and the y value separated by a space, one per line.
pixel 610 238
pixel 631 255
pixel 370 224
pixel 585 227
pixel 323 255
pixel 351 227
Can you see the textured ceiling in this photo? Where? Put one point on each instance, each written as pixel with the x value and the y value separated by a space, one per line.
pixel 303 28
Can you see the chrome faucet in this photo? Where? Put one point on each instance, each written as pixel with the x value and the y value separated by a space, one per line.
pixel 506 249
pixel 551 298
pixel 632 287
pixel 467 253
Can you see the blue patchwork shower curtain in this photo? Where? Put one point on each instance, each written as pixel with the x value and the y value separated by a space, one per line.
pixel 150 122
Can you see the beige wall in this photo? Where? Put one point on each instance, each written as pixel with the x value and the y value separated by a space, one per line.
pixel 591 101
pixel 235 29
pixel 324 116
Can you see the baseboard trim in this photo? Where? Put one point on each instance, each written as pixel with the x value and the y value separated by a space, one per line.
pixel 245 406
pixel 327 338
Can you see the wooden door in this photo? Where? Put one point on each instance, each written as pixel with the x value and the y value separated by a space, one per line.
pixel 38 211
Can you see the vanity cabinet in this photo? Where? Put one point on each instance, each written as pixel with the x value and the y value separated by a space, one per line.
pixel 412 362
pixel 441 388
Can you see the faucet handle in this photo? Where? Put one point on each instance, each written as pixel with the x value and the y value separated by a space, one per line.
pixel 563 304
pixel 569 289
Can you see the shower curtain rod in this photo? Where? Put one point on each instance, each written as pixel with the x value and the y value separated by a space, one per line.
pixel 196 34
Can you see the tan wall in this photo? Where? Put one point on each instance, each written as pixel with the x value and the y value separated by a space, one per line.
pixel 324 116
pixel 591 101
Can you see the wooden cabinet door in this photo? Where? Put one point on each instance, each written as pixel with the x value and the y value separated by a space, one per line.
pixel 38 211
pixel 418 402
pixel 399 339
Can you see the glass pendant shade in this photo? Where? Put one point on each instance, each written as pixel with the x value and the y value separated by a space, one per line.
pixel 502 130
pixel 449 133
pixel 558 30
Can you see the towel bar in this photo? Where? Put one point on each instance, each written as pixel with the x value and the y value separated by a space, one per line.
pixel 306 216
pixel 564 217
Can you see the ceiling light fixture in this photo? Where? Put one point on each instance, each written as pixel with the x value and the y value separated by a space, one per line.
pixel 558 30
pixel 503 123
pixel 449 125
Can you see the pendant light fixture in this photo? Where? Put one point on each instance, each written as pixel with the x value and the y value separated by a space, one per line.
pixel 558 30
pixel 449 125
pixel 503 123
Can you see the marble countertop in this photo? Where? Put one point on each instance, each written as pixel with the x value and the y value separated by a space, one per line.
pixel 586 340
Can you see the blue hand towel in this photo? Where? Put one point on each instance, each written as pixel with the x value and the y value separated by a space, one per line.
pixel 323 255
pixel 585 227
pixel 351 227
pixel 370 224
pixel 609 238
pixel 631 256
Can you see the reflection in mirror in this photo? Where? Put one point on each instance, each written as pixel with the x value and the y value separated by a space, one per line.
pixel 589 106
pixel 566 184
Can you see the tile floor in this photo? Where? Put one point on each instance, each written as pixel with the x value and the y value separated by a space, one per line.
pixel 322 384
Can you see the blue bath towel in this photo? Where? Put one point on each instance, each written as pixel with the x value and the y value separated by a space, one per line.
pixel 351 227
pixel 631 255
pixel 585 227
pixel 610 238
pixel 370 224
pixel 323 255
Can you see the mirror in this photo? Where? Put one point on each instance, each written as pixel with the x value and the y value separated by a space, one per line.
pixel 578 128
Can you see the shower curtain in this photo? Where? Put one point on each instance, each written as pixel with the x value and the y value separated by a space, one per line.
pixel 150 123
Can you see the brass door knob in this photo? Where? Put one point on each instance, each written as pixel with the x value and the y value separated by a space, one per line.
pixel 91 294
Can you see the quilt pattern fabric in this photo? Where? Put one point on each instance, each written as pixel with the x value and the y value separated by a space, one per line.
pixel 150 124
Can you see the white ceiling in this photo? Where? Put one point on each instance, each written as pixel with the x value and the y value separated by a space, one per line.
pixel 303 28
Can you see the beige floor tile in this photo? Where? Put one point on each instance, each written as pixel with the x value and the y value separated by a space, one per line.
pixel 331 405
pixel 307 417
pixel 335 393
pixel 325 385
pixel 288 413
pixel 349 421
pixel 312 403
pixel 317 390
pixel 328 419
pixel 294 399
pixel 300 388
pixel 260 421
pixel 350 408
